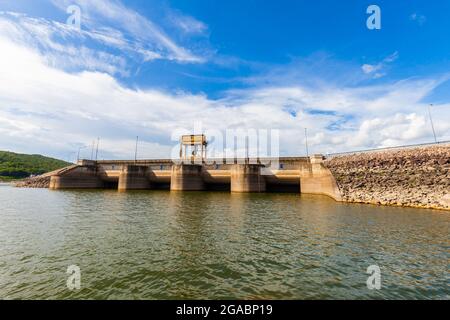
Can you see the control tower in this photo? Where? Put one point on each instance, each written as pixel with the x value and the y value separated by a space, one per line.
pixel 193 148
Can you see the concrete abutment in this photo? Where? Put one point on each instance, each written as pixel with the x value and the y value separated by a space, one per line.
pixel 318 179
pixel 80 177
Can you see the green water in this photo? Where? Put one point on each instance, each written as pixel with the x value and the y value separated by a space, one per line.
pixel 205 245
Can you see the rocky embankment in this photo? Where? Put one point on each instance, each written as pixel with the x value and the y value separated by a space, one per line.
pixel 415 177
pixel 35 182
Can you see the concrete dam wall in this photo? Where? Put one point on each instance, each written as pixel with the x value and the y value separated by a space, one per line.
pixel 300 175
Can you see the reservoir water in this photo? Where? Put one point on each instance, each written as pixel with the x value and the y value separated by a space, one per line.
pixel 216 245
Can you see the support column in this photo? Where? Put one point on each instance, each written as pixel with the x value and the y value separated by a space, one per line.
pixel 247 178
pixel 186 177
pixel 133 178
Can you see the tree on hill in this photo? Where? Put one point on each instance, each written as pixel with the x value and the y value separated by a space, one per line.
pixel 18 166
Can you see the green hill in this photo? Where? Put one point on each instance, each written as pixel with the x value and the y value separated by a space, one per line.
pixel 18 166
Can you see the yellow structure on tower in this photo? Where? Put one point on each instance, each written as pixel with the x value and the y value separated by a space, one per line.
pixel 193 148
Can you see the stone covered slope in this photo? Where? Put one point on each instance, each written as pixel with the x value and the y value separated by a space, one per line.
pixel 35 182
pixel 417 177
pixel 42 181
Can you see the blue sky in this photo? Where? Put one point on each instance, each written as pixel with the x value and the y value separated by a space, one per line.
pixel 156 68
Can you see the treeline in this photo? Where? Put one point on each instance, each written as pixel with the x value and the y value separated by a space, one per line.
pixel 19 166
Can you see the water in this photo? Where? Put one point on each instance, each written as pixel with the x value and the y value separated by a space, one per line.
pixel 205 245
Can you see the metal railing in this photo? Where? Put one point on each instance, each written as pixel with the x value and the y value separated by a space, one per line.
pixel 429 144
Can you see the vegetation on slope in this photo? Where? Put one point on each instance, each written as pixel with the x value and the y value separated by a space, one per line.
pixel 19 166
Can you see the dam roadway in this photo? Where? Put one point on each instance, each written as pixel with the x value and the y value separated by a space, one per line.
pixel 294 174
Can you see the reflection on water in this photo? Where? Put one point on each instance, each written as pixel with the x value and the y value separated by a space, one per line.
pixel 216 245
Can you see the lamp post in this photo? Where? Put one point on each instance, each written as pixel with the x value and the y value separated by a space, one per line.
pixel 431 121
pixel 96 151
pixel 136 149
pixel 78 155
pixel 92 150
pixel 306 142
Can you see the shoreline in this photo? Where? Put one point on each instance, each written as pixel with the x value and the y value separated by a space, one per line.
pixel 397 205
pixel 373 203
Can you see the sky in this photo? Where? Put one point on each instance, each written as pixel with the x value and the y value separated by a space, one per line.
pixel 157 69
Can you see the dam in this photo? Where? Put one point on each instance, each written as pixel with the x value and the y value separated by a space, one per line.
pixel 292 174
pixel 409 176
pixel 194 172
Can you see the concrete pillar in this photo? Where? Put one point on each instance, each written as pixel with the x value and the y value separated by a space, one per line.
pixel 82 177
pixel 133 178
pixel 186 177
pixel 318 179
pixel 247 178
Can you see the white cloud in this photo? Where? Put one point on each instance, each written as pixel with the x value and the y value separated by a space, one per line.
pixel 368 68
pixel 48 110
pixel 60 45
pixel 112 38
pixel 376 70
pixel 143 34
pixel 187 24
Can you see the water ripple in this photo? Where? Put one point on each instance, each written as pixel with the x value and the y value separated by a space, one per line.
pixel 162 245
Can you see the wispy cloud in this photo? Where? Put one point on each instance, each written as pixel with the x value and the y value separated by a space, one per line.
pixel 112 38
pixel 314 69
pixel 140 32
pixel 187 24
pixel 378 70
pixel 419 18
pixel 61 45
